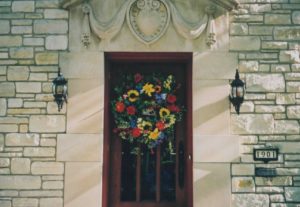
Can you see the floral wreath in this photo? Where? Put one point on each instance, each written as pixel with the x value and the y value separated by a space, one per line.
pixel 145 109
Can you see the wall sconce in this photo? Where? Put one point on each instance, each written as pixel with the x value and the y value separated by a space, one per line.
pixel 60 89
pixel 237 92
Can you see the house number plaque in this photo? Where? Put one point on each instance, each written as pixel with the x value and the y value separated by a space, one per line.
pixel 265 154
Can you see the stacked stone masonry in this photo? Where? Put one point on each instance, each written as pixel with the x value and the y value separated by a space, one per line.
pixel 265 34
pixel 32 34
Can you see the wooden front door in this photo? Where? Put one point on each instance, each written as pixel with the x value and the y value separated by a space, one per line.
pixel 156 177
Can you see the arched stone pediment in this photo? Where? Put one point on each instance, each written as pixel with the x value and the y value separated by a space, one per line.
pixel 148 20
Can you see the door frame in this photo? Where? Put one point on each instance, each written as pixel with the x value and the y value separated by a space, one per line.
pixel 157 57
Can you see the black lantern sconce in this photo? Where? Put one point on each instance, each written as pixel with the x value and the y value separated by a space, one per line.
pixel 237 92
pixel 59 89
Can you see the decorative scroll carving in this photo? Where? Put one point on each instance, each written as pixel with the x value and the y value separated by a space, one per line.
pixel 148 20
pixel 106 30
pixel 187 30
pixel 86 34
pixel 211 33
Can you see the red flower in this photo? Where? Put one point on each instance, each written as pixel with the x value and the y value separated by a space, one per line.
pixel 160 125
pixel 136 132
pixel 171 98
pixel 137 77
pixel 131 110
pixel 120 107
pixel 173 108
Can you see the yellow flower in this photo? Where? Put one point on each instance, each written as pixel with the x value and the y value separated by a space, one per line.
pixel 163 112
pixel 147 125
pixel 132 95
pixel 154 134
pixel 148 88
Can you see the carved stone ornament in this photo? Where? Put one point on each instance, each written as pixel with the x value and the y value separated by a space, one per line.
pixel 148 20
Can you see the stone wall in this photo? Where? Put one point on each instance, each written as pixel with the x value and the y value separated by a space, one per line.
pixel 265 34
pixel 50 158
pixel 32 34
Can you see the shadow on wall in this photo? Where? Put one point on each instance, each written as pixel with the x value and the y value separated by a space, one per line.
pixel 85 111
pixel 212 182
pixel 83 184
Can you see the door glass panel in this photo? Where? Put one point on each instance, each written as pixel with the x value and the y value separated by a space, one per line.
pixel 128 172
pixel 168 176
pixel 148 174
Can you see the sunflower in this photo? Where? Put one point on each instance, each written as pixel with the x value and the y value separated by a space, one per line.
pixel 164 112
pixel 132 95
pixel 154 134
pixel 149 89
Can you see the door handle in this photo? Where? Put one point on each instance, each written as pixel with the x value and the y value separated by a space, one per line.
pixel 181 164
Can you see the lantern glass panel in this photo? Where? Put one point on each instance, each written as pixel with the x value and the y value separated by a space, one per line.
pixel 240 91
pixel 233 94
pixel 60 89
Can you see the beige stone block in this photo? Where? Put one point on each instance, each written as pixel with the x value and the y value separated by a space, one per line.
pixel 278 19
pixel 85 106
pixel 79 147
pixel 50 26
pixel 56 42
pixel 8 128
pixel 48 142
pixel 7 89
pixel 17 73
pixel 252 124
pixel 41 193
pixel 39 152
pixel 1 142
pixel 38 77
pixel 4 27
pixel 242 169
pixel 53 185
pixel 25 202
pixel 265 83
pixel 212 181
pixel 244 43
pixel 210 148
pixel 55 14
pixel 13 120
pixel 243 184
pixel 23 6
pixel 287 33
pixel 4 162
pixel 3 107
pixel 72 64
pixel 20 166
pixel 23 111
pixel 10 41
pixel 5 203
pixel 21 30
pixel 83 184
pixel 259 200
pixel 211 113
pixel 15 102
pixel 50 202
pixel 28 87
pixel 47 168
pixel 47 123
pixel 287 127
pixel 19 139
pixel 46 58
pixel 296 17
pixel 21 52
pixel 20 182
pixel 206 67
